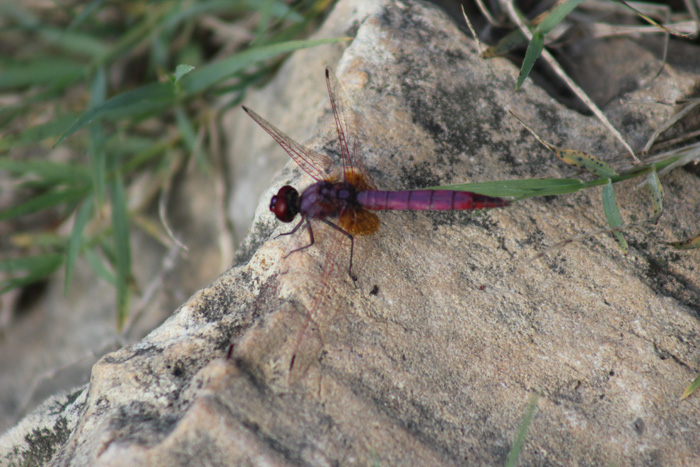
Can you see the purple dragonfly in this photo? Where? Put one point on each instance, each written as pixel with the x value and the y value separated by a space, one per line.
pixel 350 194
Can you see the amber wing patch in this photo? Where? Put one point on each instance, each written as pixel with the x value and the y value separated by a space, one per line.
pixel 359 221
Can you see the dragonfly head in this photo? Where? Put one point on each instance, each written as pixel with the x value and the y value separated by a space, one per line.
pixel 285 204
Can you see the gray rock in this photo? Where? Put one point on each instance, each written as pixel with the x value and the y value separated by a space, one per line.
pixel 415 362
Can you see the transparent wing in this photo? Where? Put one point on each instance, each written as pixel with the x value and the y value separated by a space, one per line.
pixel 347 135
pixel 318 165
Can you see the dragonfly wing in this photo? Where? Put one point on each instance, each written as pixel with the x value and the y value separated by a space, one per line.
pixel 353 168
pixel 358 221
pixel 313 163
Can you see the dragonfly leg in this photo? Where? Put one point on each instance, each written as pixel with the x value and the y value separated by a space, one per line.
pixel 311 235
pixel 296 227
pixel 352 243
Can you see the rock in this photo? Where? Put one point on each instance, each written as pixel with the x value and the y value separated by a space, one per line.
pixel 433 354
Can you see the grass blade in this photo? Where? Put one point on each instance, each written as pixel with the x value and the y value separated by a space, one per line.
pixel 578 159
pixel 656 191
pixel 519 188
pixel 534 50
pixel 44 201
pixel 49 173
pixel 205 76
pixel 151 97
pixel 76 239
pixel 557 15
pixel 692 387
pixel 98 266
pixel 505 45
pixel 689 244
pixel 39 72
pixel 96 139
pixel 522 432
pixel 612 214
pixel 39 267
pixel 120 223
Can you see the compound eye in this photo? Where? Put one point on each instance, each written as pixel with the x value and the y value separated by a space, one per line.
pixel 285 204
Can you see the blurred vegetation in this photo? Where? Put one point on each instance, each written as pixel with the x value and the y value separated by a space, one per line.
pixel 140 79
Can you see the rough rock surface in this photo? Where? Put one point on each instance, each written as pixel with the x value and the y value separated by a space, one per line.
pixel 414 363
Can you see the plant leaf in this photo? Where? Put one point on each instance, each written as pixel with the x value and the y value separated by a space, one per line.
pixel 656 192
pixel 612 213
pixel 689 244
pixel 150 97
pixel 505 45
pixel 39 72
pixel 181 70
pixel 557 15
pixel 99 267
pixel 122 247
pixel 584 161
pixel 76 238
pixel 519 188
pixel 39 267
pixel 50 173
pixel 534 50
pixel 517 447
pixel 692 387
pixel 573 157
pixel 43 201
pixel 207 75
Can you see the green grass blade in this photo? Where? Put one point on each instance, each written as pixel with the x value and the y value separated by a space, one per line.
pixel 23 264
pixel 50 173
pixel 506 44
pixel 11 10
pixel 612 214
pixel 76 239
pixel 205 76
pixel 573 157
pixel 534 50
pixel 689 244
pixel 39 72
pixel 656 192
pixel 44 201
pixel 517 447
pixel 519 188
pixel 120 223
pixel 273 8
pixel 156 96
pixel 74 42
pixel 181 70
pixel 35 134
pixel 150 97
pixel 189 136
pixel 585 161
pixel 40 267
pixel 96 140
pixel 692 387
pixel 557 15
pixel 86 13
pixel 98 266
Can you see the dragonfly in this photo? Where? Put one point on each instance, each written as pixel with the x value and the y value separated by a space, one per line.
pixel 348 193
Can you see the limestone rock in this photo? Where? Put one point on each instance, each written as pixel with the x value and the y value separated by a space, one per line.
pixel 416 362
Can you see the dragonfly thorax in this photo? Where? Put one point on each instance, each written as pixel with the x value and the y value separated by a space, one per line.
pixel 285 204
pixel 327 199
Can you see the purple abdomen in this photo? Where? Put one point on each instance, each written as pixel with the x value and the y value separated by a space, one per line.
pixel 426 200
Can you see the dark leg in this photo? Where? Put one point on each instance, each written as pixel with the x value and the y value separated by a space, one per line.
pixel 352 243
pixel 311 235
pixel 296 227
